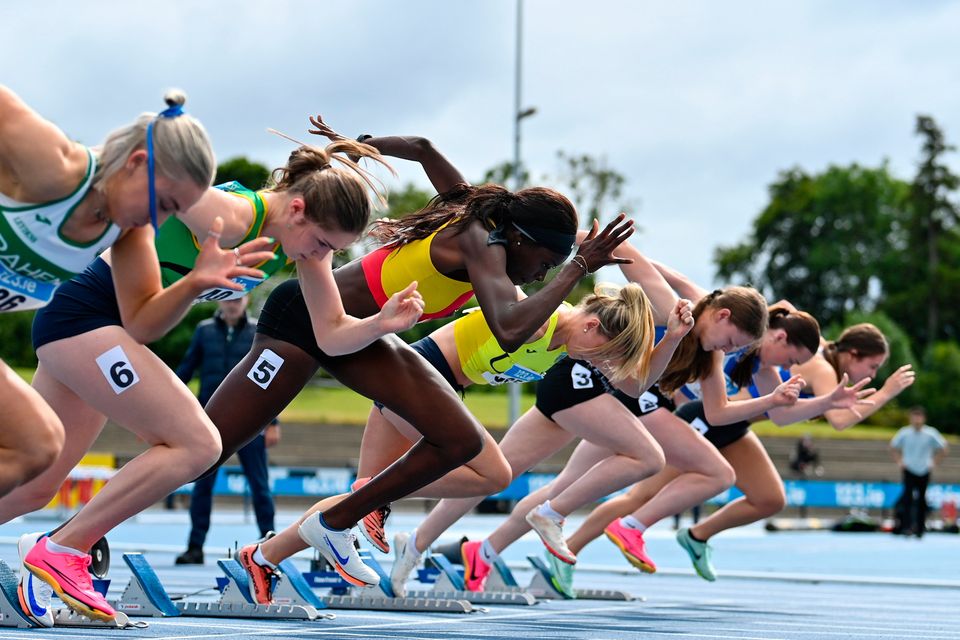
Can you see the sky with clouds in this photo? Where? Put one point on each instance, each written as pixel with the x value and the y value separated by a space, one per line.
pixel 698 103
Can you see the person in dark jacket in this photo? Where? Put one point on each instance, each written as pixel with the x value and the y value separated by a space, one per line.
pixel 218 344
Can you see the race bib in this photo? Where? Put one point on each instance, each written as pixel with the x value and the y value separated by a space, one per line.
pixel 581 377
pixel 21 293
pixel 515 374
pixel 700 425
pixel 217 295
pixel 116 368
pixel 265 368
pixel 648 402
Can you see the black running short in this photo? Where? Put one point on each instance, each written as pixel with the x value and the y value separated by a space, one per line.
pixel 719 437
pixel 571 382
pixel 82 304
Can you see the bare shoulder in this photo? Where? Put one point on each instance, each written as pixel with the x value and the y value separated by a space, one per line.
pixel 237 214
pixel 38 162
pixel 818 373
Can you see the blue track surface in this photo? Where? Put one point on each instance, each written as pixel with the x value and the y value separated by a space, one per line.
pixel 777 599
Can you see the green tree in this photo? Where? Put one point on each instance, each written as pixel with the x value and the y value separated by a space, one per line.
pixel 593 186
pixel 818 241
pixel 252 175
pixel 926 274
pixel 936 386
pixel 409 199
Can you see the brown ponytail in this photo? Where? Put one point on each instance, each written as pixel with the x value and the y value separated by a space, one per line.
pixel 335 197
pixel 802 330
pixel 748 313
pixel 866 339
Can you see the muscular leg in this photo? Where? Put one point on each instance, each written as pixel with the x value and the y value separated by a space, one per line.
pixel 159 408
pixel 387 436
pixel 31 435
pixel 240 409
pixel 390 371
pixel 625 504
pixel 83 426
pixel 531 439
pixel 763 494
pixel 705 472
pixel 616 452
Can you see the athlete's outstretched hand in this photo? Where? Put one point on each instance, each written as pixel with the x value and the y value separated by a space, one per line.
pixel 680 321
pixel 597 248
pixel 848 397
pixel 788 392
pixel 323 129
pixel 402 310
pixel 216 267
pixel 900 379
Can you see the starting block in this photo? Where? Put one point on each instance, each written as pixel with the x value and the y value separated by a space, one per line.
pixel 542 586
pixel 145 596
pixel 12 616
pixel 378 598
pixel 450 584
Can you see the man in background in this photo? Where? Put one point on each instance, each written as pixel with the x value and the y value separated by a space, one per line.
pixel 217 346
pixel 917 449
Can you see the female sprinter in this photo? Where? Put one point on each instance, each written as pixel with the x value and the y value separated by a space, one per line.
pixel 61 204
pixel 93 364
pixel 793 338
pixel 470 240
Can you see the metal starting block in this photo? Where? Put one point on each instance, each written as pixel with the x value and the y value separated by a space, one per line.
pixel 378 598
pixel 542 586
pixel 450 584
pixel 12 616
pixel 145 596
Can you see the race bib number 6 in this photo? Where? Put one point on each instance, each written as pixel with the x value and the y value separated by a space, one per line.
pixel 265 368
pixel 116 368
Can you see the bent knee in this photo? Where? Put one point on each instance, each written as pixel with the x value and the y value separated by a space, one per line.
pixel 499 479
pixel 465 445
pixel 202 451
pixel 769 505
pixel 723 474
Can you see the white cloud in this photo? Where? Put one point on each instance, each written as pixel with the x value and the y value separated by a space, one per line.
pixel 699 104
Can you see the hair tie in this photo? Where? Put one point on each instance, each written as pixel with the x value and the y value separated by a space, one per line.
pixel 171 111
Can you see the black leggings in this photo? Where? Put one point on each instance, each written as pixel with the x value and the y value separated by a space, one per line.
pixel 388 371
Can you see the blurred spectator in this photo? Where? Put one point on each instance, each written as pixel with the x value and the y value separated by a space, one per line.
pixel 806 459
pixel 917 449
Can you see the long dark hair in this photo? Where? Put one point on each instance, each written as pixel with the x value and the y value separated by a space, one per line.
pixel 802 330
pixel 491 204
pixel 748 312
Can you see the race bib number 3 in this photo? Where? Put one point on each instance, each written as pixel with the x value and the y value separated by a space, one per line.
pixel 581 377
pixel 265 369
pixel 117 369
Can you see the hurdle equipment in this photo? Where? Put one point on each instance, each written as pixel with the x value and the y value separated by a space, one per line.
pixel 450 585
pixel 12 616
pixel 145 596
pixel 377 598
pixel 541 586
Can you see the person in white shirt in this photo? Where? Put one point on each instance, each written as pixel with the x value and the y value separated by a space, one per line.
pixel 917 449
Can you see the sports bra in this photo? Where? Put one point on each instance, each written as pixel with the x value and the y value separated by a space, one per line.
pixel 390 269
pixel 484 362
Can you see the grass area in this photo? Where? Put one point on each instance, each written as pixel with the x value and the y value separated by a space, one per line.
pixel 335 405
